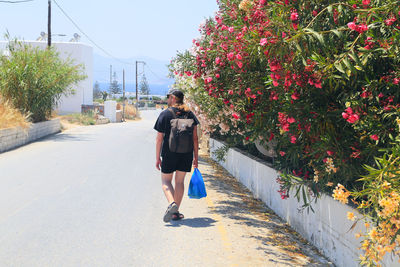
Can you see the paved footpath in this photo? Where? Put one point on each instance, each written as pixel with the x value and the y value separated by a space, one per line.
pixel 91 196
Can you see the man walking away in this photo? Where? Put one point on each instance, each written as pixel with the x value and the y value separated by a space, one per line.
pixel 175 153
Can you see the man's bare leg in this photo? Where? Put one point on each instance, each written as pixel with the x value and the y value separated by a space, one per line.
pixel 179 187
pixel 166 179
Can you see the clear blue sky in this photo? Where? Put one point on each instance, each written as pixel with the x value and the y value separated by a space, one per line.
pixel 124 28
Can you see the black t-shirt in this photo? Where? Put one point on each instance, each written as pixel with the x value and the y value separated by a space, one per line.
pixel 163 125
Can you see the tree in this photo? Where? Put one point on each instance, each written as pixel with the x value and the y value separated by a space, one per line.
pixel 104 95
pixel 144 86
pixel 96 90
pixel 115 87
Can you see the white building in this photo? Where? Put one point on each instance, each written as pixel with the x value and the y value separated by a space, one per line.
pixel 80 54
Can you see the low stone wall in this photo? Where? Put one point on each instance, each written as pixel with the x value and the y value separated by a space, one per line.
pixel 327 228
pixel 11 138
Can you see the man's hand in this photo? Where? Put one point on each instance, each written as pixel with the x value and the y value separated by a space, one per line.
pixel 195 163
pixel 158 163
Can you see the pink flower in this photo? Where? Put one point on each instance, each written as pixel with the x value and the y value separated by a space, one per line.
pixel 208 80
pixel 295 96
pixel 239 57
pixel 390 21
pixel 345 115
pixel 362 28
pixel 366 2
pixel 236 116
pixel 263 41
pixel 230 92
pixel 240 64
pixel 330 153
pixel 314 13
pixel 282 153
pixel 352 26
pixel 230 29
pixel 231 56
pixel 353 118
pixel 374 137
pixel 349 110
pixel 294 16
pixel 217 60
pixel 217 75
pixel 293 139
pixel 291 120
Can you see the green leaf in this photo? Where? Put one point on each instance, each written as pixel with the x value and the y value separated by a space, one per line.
pixel 338 33
pixel 317 35
pixel 339 67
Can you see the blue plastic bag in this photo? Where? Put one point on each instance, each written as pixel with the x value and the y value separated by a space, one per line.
pixel 197 189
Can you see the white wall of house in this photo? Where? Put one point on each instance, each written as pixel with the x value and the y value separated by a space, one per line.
pixel 81 54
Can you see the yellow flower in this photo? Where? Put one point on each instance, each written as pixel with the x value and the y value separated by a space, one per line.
pixel 341 194
pixel 329 184
pixel 245 5
pixel 350 216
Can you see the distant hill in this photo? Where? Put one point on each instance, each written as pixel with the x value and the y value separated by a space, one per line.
pixel 156 72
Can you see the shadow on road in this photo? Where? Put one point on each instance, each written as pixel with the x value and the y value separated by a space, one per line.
pixel 65 137
pixel 236 202
pixel 201 222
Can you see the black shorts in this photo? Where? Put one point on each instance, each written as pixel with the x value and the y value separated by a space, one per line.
pixel 176 162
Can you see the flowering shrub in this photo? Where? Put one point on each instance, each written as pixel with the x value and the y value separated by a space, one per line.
pixel 318 78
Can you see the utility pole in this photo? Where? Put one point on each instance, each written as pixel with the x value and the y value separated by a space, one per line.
pixel 123 95
pixel 110 78
pixel 137 98
pixel 49 25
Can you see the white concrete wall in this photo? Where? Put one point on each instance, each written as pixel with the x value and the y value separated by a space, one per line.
pixel 81 54
pixel 11 138
pixel 328 228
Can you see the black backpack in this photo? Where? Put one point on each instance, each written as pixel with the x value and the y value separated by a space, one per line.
pixel 181 135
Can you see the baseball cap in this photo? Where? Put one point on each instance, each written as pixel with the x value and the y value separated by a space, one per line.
pixel 176 92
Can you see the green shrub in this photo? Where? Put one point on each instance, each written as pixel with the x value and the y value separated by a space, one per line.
pixel 34 80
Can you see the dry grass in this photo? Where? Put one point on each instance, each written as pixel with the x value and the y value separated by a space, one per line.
pixel 130 111
pixel 11 117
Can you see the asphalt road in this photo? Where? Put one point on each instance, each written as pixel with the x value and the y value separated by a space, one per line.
pixel 91 196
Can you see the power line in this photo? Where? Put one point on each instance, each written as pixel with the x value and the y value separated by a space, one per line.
pixel 16 2
pixel 160 78
pixel 90 39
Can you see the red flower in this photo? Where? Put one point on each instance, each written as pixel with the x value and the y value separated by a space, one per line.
pixel 295 96
pixel 294 16
pixel 291 120
pixel 353 118
pixel 330 153
pixel 282 153
pixel 366 2
pixel 349 110
pixel 236 116
pixel 263 41
pixel 293 139
pixel 374 137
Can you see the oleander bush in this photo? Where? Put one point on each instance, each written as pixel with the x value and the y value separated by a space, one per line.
pixel 319 79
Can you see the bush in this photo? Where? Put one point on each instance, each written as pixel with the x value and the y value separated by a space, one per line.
pixel 34 80
pixel 319 78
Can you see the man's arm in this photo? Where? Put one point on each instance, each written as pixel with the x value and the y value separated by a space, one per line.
pixel 159 141
pixel 195 147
